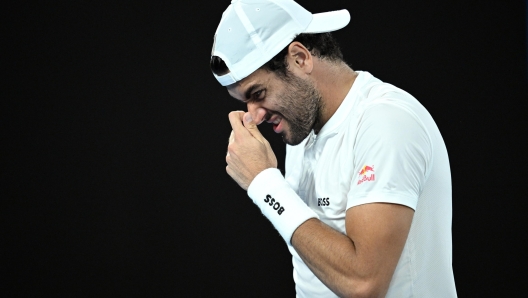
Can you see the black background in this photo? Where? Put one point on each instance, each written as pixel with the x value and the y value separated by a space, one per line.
pixel 114 133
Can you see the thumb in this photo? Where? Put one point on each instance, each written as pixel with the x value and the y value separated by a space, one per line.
pixel 250 125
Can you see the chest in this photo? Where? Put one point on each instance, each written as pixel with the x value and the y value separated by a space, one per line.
pixel 321 173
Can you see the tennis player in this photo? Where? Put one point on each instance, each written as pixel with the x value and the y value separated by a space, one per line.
pixel 365 203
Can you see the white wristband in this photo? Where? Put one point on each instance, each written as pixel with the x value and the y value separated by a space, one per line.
pixel 279 202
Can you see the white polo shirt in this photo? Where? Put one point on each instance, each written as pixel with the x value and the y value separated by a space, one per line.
pixel 381 145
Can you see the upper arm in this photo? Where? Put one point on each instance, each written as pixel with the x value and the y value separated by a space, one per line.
pixel 379 232
pixel 396 149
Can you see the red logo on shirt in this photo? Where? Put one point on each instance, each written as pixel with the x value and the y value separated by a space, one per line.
pixel 363 174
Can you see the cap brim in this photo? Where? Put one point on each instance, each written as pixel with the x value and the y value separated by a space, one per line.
pixel 328 21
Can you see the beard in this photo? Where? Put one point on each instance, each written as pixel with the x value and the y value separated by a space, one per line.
pixel 301 106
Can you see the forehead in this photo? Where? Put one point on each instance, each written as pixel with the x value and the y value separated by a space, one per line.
pixel 259 78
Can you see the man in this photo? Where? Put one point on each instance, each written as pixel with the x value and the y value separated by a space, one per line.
pixel 365 204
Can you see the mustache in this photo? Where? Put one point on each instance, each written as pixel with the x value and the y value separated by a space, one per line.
pixel 269 114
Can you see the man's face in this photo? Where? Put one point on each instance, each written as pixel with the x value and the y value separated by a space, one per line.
pixel 292 104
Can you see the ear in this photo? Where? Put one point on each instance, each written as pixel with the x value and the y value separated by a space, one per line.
pixel 299 58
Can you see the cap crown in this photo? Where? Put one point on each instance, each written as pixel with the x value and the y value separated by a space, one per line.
pixel 252 32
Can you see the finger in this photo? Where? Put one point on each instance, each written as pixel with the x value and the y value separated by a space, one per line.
pixel 229 151
pixel 231 137
pixel 235 118
pixel 231 173
pixel 251 126
pixel 231 140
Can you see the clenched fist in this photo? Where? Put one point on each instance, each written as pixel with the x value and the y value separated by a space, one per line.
pixel 248 152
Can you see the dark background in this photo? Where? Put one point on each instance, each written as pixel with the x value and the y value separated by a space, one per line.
pixel 114 135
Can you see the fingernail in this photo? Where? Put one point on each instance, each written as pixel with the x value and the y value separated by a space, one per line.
pixel 248 118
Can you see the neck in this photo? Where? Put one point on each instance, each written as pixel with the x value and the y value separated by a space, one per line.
pixel 333 80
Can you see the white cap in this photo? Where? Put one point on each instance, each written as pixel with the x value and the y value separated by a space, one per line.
pixel 252 32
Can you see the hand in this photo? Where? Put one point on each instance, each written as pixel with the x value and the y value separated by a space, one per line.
pixel 248 152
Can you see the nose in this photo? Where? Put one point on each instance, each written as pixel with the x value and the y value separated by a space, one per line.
pixel 258 113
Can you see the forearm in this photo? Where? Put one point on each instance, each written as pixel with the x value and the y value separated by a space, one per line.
pixel 358 264
pixel 333 257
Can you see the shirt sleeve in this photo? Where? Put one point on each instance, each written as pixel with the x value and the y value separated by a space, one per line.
pixel 391 158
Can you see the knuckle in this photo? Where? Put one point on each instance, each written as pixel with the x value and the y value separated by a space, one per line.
pixel 233 114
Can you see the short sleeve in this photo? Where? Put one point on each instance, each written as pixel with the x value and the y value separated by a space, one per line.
pixel 391 158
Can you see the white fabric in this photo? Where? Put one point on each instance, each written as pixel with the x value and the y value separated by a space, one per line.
pixel 279 203
pixel 385 128
pixel 328 21
pixel 251 32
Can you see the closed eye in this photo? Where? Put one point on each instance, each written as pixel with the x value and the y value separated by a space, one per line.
pixel 258 95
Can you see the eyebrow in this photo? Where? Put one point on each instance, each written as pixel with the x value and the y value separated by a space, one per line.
pixel 251 90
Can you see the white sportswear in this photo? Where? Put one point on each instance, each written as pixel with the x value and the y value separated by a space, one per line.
pixel 381 145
